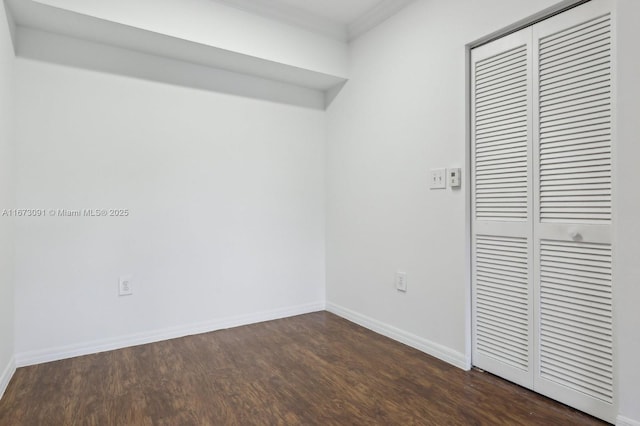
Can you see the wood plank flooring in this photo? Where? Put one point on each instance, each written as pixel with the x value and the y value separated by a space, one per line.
pixel 315 369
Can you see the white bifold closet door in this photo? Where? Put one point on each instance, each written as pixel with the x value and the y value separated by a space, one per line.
pixel 541 171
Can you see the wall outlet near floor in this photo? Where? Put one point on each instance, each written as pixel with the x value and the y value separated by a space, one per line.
pixel 125 287
pixel 401 281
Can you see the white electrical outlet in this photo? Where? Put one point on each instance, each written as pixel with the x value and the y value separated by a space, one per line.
pixel 401 281
pixel 125 287
pixel 438 179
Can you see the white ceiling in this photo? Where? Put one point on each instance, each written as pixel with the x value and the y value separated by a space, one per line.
pixel 340 11
pixel 341 19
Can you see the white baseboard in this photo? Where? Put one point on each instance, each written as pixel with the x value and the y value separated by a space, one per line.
pixel 444 353
pixel 63 352
pixel 625 421
pixel 6 376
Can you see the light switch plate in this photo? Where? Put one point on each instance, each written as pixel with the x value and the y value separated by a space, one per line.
pixel 438 179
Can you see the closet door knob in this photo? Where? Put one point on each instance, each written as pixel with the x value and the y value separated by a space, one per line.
pixel 575 235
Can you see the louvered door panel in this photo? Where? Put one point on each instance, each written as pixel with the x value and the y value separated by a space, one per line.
pixel 542 141
pixel 573 141
pixel 575 123
pixel 502 203
pixel 501 129
pixel 576 317
pixel 502 293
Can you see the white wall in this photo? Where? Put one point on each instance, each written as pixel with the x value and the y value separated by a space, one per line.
pixel 403 113
pixel 627 205
pixel 6 202
pixel 227 210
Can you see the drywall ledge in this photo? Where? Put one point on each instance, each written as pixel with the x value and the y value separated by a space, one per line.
pixel 68 51
pixel 30 14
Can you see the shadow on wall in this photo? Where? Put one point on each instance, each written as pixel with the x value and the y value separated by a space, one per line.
pixel 332 93
pixel 69 51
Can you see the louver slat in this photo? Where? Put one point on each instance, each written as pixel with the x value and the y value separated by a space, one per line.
pixel 575 124
pixel 502 299
pixel 501 129
pixel 576 317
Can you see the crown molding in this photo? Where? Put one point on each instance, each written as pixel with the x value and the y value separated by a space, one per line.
pixel 309 21
pixel 291 15
pixel 384 10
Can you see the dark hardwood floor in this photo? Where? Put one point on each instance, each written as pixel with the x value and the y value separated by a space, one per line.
pixel 315 369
